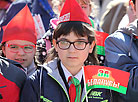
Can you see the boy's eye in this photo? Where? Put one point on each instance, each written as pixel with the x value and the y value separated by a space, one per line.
pixel 63 42
pixel 80 42
pixel 28 47
pixel 83 7
pixel 14 46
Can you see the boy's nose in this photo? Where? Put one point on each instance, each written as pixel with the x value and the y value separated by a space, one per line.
pixel 72 48
pixel 21 51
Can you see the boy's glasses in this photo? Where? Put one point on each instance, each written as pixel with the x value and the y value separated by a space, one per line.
pixel 64 45
pixel 26 48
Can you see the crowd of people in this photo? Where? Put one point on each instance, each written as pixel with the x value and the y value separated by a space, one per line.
pixel 44 45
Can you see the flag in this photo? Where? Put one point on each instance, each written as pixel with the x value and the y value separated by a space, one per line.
pixel 105 77
pixel 100 39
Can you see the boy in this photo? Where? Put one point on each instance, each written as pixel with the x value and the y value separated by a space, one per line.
pixel 61 79
pixel 19 40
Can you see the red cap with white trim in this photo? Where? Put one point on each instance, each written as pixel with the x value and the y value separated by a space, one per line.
pixel 72 11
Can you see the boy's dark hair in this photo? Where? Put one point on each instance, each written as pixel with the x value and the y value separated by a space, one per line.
pixel 80 29
pixel 133 1
pixel 1 52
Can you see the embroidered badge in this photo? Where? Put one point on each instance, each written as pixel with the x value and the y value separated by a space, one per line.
pixel 65 17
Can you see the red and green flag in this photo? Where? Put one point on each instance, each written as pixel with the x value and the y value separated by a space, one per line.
pixel 100 39
pixel 106 77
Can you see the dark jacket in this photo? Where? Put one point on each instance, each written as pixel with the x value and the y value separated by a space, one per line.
pixel 51 83
pixel 12 78
pixel 121 51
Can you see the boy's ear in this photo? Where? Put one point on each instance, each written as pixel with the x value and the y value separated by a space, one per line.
pixel 54 44
pixel 3 50
pixel 92 46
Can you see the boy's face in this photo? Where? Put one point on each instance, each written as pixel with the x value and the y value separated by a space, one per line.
pixel 24 55
pixel 86 8
pixel 72 58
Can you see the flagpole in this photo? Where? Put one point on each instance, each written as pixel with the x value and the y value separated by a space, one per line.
pixel 85 84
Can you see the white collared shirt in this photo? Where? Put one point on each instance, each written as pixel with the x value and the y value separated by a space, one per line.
pixel 68 74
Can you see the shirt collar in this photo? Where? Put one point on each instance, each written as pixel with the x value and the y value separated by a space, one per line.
pixel 68 74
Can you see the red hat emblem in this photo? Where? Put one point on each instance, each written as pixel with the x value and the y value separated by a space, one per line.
pixel 72 11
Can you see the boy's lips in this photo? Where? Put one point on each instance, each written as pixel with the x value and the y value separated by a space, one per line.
pixel 72 57
pixel 20 60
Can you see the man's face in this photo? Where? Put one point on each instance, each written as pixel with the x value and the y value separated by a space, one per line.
pixel 20 51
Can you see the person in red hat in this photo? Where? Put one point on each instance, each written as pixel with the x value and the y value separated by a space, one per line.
pixel 19 40
pixel 61 78
pixel 12 76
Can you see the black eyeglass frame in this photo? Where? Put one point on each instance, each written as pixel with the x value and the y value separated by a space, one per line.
pixel 73 44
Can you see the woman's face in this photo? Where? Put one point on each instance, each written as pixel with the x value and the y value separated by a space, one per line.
pixel 72 58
